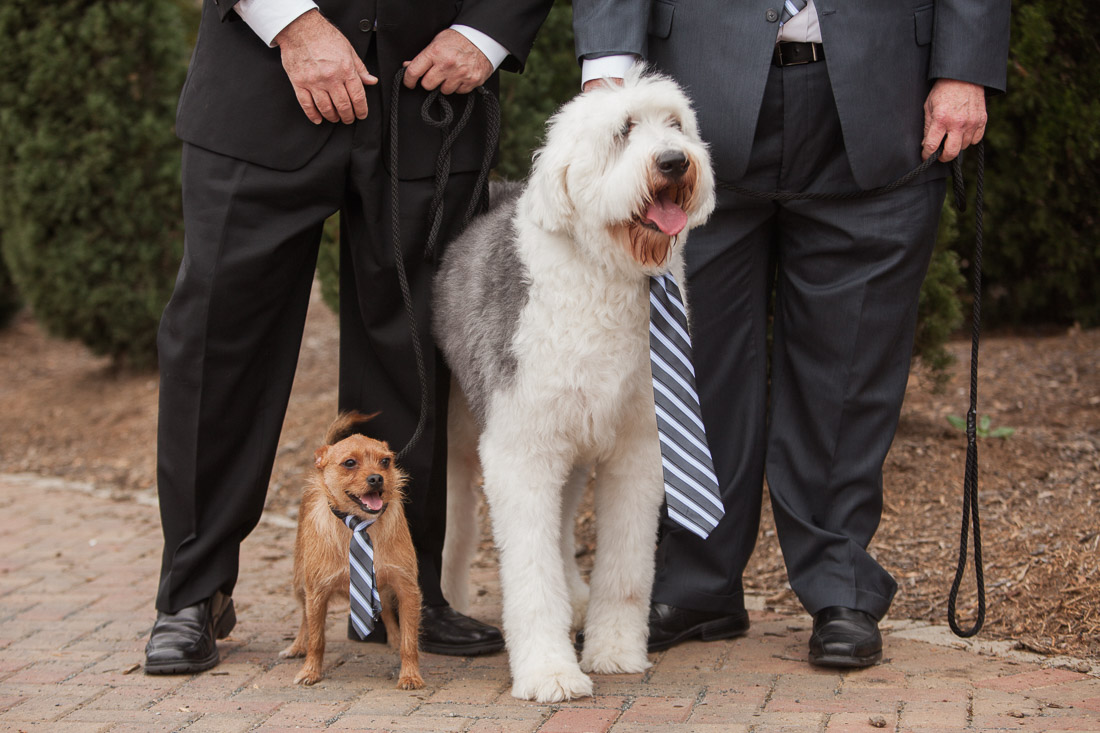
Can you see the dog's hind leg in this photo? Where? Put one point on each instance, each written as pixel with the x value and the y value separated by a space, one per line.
pixel 298 647
pixel 463 473
pixel 628 492
pixel 523 483
pixel 571 499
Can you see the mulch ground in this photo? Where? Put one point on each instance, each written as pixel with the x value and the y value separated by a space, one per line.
pixel 66 413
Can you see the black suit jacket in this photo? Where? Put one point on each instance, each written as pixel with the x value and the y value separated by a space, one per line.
pixel 238 101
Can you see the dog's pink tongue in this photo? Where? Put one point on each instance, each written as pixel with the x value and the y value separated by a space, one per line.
pixel 372 501
pixel 668 217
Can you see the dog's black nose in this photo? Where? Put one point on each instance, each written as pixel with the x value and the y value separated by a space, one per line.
pixel 672 163
pixel 375 480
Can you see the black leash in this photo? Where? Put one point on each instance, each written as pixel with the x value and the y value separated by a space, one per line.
pixel 452 129
pixel 970 480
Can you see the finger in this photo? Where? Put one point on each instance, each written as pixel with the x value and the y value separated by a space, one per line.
pixel 341 101
pixel 932 139
pixel 324 106
pixel 358 97
pixel 951 147
pixel 417 68
pixel 305 100
pixel 450 85
pixel 365 76
pixel 433 78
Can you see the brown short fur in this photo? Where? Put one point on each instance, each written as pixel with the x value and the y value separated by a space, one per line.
pixel 321 548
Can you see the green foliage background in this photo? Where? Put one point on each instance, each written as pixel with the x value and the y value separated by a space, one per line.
pixel 89 167
pixel 1042 253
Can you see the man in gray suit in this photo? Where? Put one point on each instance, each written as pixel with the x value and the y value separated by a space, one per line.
pixel 821 97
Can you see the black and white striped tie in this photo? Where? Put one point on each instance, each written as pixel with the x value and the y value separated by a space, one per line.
pixel 691 488
pixel 365 602
pixel 791 8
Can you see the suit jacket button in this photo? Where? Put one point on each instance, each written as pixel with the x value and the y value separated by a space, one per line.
pixel 366 25
pixel 771 15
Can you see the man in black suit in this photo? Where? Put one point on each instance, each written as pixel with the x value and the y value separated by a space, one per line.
pixel 285 120
pixel 823 96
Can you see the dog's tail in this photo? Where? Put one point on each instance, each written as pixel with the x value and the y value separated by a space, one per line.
pixel 347 424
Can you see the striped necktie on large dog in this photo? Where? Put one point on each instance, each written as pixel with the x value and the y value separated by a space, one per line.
pixel 691 488
pixel 365 601
pixel 790 9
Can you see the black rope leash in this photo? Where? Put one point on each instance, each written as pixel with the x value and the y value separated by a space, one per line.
pixel 970 480
pixel 452 129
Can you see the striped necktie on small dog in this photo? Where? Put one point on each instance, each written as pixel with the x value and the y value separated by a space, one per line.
pixel 790 9
pixel 366 604
pixel 691 488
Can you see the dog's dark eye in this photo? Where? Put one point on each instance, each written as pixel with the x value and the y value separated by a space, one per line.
pixel 384 463
pixel 627 127
pixel 350 463
pixel 675 124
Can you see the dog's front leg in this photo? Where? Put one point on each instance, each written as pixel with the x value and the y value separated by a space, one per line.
pixel 628 494
pixel 523 483
pixel 316 607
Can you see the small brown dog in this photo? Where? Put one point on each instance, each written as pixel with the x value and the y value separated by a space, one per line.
pixel 348 467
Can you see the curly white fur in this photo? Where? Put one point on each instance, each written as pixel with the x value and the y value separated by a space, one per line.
pixel 542 310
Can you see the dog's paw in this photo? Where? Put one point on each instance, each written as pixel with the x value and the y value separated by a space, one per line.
pixel 567 683
pixel 410 681
pixel 293 652
pixel 308 675
pixel 614 658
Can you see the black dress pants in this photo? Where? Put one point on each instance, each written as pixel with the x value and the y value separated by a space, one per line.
pixel 230 336
pixel 846 277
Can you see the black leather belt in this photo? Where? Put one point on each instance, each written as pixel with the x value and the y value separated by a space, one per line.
pixel 793 53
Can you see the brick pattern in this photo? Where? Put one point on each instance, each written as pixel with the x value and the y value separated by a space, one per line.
pixel 76 608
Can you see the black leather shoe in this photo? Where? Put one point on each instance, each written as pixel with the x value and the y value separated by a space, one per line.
pixel 184 642
pixel 669 625
pixel 444 630
pixel 844 637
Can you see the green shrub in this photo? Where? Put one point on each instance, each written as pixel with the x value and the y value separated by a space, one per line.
pixel 1042 247
pixel 10 302
pixel 550 78
pixel 89 167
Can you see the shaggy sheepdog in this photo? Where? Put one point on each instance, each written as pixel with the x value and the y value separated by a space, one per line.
pixel 542 311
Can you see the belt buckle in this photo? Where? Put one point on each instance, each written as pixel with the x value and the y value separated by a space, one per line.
pixel 796 62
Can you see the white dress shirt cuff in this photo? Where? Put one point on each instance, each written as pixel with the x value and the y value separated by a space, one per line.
pixel 606 67
pixel 268 17
pixel 493 51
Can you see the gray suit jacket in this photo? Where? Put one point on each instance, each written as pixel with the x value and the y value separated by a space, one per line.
pixel 882 56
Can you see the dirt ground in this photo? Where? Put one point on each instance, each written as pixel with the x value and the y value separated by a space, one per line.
pixel 66 413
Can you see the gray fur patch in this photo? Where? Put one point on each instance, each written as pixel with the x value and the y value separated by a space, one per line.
pixel 480 290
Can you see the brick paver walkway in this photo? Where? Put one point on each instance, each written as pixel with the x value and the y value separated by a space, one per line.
pixel 78 574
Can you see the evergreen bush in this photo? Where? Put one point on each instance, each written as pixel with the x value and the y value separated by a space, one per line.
pixel 1042 247
pixel 89 167
pixel 9 296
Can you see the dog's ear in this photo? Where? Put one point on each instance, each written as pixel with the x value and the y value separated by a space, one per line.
pixel 548 201
pixel 319 456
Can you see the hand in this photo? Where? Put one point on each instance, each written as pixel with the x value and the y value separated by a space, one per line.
pixel 955 110
pixel 600 83
pixel 451 62
pixel 326 73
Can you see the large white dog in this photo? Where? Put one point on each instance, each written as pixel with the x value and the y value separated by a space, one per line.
pixel 542 310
